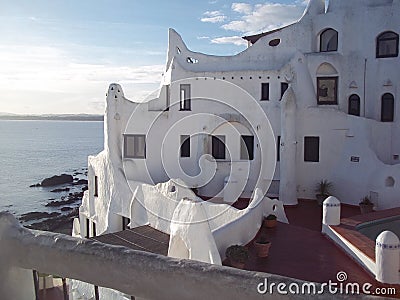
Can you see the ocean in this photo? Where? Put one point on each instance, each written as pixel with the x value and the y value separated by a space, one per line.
pixel 33 150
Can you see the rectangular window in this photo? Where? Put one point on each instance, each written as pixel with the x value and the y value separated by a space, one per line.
pixel 218 146
pixel 185 145
pixel 264 91
pixel 247 147
pixel 278 148
pixel 327 90
pixel 134 146
pixel 284 87
pixel 185 97
pixel 96 186
pixel 87 228
pixel 96 293
pixel 311 148
pixel 94 229
pixel 168 98
pixel 125 222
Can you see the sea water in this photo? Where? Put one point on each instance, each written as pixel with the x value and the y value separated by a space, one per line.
pixel 33 150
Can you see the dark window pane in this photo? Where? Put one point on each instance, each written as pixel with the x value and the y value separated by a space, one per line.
pixel 125 222
pixel 387 45
pixel 218 146
pixel 247 147
pixel 278 148
pixel 96 186
pixel 329 40
pixel 284 87
pixel 354 105
pixel 264 91
pixel 185 146
pixel 311 148
pixel 185 97
pixel 387 112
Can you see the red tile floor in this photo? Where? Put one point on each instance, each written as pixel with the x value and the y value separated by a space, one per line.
pixel 299 250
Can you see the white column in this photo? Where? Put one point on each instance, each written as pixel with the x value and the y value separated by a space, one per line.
pixel 387 256
pixel 288 184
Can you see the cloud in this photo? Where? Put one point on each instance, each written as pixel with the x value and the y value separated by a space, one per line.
pixel 43 79
pixel 203 37
pixel 263 17
pixel 214 16
pixel 236 40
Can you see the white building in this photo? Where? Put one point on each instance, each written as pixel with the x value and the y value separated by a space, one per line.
pixel 323 89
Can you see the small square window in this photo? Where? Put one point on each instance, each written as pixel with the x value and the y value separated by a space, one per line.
pixel 311 148
pixel 185 146
pixel 134 146
pixel 247 147
pixel 265 91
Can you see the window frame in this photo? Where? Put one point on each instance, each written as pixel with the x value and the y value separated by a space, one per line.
pixel 380 39
pixel 184 146
pixel 249 153
pixel 308 157
pixel 389 97
pixel 185 97
pixel 263 96
pixel 135 146
pixel 321 36
pixel 336 79
pixel 221 141
pixel 354 97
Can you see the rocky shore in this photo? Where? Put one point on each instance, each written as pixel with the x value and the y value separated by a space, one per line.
pixel 63 209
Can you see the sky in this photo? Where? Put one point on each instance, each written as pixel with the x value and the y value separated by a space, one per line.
pixel 59 56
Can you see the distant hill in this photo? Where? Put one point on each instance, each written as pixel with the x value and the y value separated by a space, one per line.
pixel 55 117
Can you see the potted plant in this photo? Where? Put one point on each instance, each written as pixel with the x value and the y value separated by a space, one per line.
pixel 262 246
pixel 237 255
pixel 324 189
pixel 270 221
pixel 366 206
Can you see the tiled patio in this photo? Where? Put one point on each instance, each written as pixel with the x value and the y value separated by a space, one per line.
pixel 299 250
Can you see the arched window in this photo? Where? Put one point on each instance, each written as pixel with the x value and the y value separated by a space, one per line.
pixel 354 105
pixel 327 85
pixel 387 110
pixel 387 44
pixel 328 40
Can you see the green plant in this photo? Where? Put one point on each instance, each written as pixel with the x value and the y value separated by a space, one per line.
pixel 237 253
pixel 366 201
pixel 324 187
pixel 271 217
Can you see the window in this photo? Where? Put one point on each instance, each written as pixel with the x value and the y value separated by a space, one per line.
pixel 134 146
pixel 218 146
pixel 247 147
pixel 311 148
pixel 284 87
pixel 87 228
pixel 387 45
pixel 185 97
pixel 96 186
pixel 327 90
pixel 94 229
pixel 264 91
pixel 125 222
pixel 387 110
pixel 185 145
pixel 167 97
pixel 328 40
pixel 354 105
pixel 274 42
pixel 278 148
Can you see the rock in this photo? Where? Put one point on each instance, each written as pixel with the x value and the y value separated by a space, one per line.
pixel 57 180
pixel 60 190
pixel 60 203
pixel 85 188
pixel 81 182
pixel 78 173
pixel 66 208
pixel 38 215
pixel 35 185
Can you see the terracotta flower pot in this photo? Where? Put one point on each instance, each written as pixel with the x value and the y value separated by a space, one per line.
pixel 269 223
pixel 262 248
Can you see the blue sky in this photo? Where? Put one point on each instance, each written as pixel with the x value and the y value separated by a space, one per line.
pixel 59 56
